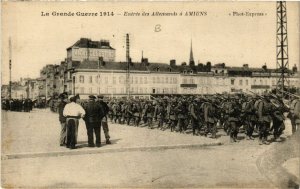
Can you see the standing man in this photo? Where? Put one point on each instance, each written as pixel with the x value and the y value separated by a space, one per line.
pixel 159 114
pixel 234 111
pixel 195 116
pixel 250 117
pixel 210 119
pixel 294 114
pixel 73 112
pixel 182 111
pixel 264 118
pixel 149 113
pixel 92 119
pixel 105 110
pixel 62 119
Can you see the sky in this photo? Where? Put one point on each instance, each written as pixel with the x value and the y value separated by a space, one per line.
pixel 217 37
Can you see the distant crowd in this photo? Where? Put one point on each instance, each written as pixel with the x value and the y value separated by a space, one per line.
pixel 18 105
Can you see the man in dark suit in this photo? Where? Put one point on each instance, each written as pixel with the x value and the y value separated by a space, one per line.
pixel 93 117
pixel 105 110
pixel 62 119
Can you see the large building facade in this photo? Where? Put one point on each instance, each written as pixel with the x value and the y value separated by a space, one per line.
pixel 156 78
pixel 90 68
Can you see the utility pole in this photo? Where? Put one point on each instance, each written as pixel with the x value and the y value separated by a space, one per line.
pixel 98 77
pixel 9 89
pixel 282 61
pixel 128 61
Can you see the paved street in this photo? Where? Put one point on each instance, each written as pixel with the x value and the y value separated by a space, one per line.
pixel 192 161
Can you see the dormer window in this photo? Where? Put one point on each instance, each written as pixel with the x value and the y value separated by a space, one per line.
pixel 157 69
pixel 191 72
pixel 169 69
pixel 184 72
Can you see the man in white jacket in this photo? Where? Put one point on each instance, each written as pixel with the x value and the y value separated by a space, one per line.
pixel 73 112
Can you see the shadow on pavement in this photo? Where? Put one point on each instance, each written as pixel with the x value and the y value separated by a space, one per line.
pixel 270 162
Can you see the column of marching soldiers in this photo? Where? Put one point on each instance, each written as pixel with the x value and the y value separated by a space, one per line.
pixel 264 114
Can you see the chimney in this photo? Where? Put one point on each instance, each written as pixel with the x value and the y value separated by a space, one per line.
pixel 208 66
pixel 245 66
pixel 101 62
pixel 145 61
pixel 172 63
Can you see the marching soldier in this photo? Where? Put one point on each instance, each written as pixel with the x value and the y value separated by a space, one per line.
pixel 160 114
pixel 210 119
pixel 136 111
pixel 128 113
pixel 172 115
pixel 250 117
pixel 225 116
pixel 264 118
pixel 149 113
pixel 123 112
pixel 233 119
pixel 195 116
pixel 278 119
pixel 295 114
pixel 117 112
pixel 181 114
pixel 110 112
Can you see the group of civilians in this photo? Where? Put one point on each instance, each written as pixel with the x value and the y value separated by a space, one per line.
pixel 94 113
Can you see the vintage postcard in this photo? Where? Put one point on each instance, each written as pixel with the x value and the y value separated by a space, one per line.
pixel 150 94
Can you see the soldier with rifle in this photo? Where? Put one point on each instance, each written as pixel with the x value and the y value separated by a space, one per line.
pixel 210 119
pixel 250 117
pixel 159 114
pixel 136 111
pixel 234 111
pixel 278 108
pixel 294 113
pixel 181 114
pixel 264 119
pixel 172 115
pixel 195 116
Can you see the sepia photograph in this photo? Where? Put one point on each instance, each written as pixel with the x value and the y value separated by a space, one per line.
pixel 150 94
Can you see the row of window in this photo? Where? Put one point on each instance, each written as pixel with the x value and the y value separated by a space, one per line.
pixel 172 80
pixel 122 80
pixel 254 82
pixel 122 90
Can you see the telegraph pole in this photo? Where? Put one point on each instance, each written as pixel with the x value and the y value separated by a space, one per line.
pixel 282 61
pixel 128 67
pixel 10 68
pixel 98 80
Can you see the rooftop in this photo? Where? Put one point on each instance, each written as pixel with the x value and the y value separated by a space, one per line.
pixel 88 43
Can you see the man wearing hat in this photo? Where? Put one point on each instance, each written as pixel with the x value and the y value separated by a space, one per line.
pixel 195 116
pixel 73 112
pixel 62 119
pixel 105 110
pixel 93 117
